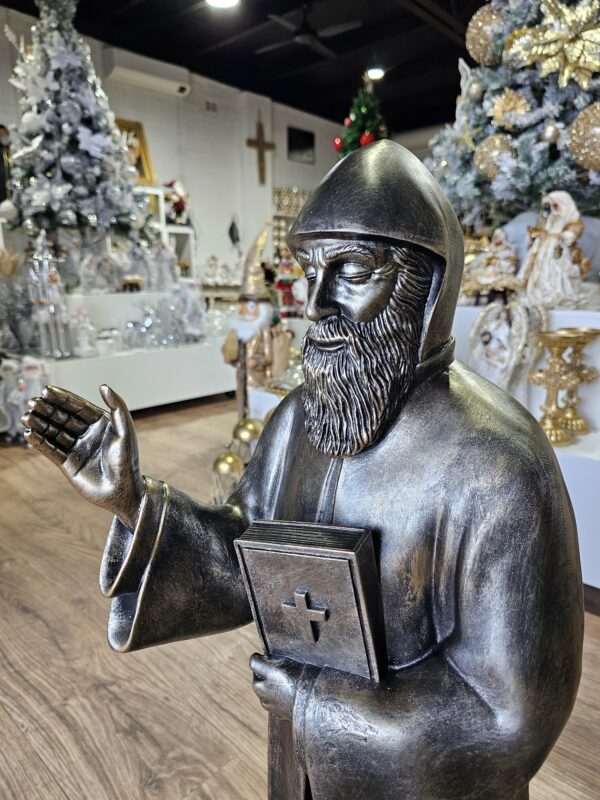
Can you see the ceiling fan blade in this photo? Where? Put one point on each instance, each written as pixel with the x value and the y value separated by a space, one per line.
pixel 336 30
pixel 270 47
pixel 318 47
pixel 289 26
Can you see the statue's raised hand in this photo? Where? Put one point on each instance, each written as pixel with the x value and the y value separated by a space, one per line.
pixel 96 450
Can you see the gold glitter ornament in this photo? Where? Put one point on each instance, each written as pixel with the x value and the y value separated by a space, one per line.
pixel 567 41
pixel 584 137
pixel 481 34
pixel 489 150
pixel 509 102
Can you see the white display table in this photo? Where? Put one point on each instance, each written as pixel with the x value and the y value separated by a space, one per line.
pixel 580 461
pixel 147 378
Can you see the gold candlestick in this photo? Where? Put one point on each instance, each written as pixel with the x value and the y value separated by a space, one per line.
pixel 572 419
pixel 558 375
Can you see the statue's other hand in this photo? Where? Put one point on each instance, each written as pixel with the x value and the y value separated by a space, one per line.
pixel 96 450
pixel 275 681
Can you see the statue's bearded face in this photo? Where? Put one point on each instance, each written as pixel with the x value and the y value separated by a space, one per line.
pixel 366 301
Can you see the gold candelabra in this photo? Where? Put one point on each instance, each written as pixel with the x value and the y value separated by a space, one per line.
pixel 561 379
pixel 572 418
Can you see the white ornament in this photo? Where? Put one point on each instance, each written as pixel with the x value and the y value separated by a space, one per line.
pixel 9 211
pixel 32 122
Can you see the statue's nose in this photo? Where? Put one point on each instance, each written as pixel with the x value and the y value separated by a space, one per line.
pixel 321 300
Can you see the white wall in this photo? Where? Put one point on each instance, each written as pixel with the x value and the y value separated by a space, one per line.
pixel 417 140
pixel 206 150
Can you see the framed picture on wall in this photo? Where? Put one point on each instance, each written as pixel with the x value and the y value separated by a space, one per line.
pixel 300 146
pixel 138 152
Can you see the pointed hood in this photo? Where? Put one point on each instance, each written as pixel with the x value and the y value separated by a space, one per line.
pixel 383 191
pixel 253 281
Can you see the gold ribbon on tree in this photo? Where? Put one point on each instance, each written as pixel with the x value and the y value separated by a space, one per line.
pixel 567 41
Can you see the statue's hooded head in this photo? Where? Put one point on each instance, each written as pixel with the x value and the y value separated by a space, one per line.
pixel 382 250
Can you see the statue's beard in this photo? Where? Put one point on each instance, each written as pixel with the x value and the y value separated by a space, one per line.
pixel 352 395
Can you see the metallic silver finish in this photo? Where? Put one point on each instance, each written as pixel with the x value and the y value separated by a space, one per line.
pixel 472 527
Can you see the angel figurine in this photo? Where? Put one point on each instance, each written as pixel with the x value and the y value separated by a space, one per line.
pixel 554 264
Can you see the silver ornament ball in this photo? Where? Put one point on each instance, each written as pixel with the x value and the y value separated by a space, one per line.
pixel 550 134
pixel 475 91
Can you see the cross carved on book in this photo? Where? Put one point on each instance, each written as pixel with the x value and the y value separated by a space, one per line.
pixel 261 146
pixel 312 617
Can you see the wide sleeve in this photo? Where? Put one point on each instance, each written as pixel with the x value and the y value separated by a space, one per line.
pixel 176 575
pixel 476 718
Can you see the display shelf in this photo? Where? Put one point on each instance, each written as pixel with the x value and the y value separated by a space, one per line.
pixel 182 240
pixel 147 378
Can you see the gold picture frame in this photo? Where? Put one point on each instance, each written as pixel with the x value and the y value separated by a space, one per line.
pixel 139 154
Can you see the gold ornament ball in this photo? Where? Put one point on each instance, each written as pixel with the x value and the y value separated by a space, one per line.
pixel 550 134
pixel 228 464
pixel 584 137
pixel 480 36
pixel 247 430
pixel 475 91
pixel 489 150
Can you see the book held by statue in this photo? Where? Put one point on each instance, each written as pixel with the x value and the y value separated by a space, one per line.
pixel 314 593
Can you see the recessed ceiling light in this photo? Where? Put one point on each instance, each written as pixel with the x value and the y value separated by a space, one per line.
pixel 375 73
pixel 223 3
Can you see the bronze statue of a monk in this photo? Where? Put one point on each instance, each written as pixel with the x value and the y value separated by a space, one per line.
pixel 474 532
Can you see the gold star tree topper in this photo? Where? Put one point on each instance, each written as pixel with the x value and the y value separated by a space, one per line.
pixel 567 41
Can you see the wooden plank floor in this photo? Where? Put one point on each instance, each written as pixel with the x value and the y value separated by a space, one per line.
pixel 179 722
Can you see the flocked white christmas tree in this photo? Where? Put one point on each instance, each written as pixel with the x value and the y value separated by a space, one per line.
pixel 528 116
pixel 69 165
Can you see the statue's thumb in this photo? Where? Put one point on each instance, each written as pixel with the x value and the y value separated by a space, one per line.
pixel 118 410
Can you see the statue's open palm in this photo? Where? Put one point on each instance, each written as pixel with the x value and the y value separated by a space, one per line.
pixel 96 450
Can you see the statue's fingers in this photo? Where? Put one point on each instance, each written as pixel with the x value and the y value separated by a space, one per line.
pixel 48 431
pixel 121 418
pixel 53 453
pixel 41 408
pixel 75 426
pixel 260 665
pixel 72 403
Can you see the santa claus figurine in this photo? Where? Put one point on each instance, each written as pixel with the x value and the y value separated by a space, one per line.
pixel 554 265
pixel 28 384
pixel 257 344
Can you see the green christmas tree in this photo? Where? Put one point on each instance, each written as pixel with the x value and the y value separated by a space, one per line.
pixel 364 124
pixel 528 116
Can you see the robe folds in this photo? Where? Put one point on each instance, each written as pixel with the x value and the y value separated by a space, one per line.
pixel 477 552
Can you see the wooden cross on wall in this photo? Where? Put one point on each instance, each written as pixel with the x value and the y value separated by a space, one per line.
pixel 261 146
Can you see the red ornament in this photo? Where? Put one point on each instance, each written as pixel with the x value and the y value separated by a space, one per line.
pixel 347 121
pixel 367 138
pixel 337 144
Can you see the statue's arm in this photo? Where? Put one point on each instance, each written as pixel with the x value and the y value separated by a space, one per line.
pixel 477 718
pixel 174 573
